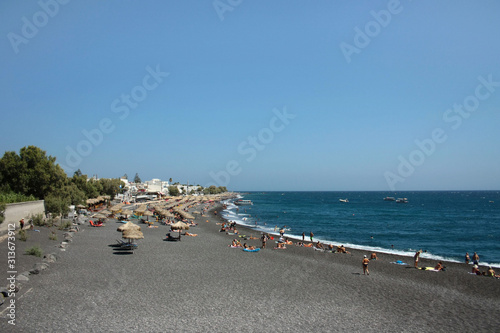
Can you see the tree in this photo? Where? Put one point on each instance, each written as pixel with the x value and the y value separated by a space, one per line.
pixel 31 172
pixel 2 212
pixel 173 191
pixel 137 179
pixel 57 205
pixel 111 186
pixel 170 181
pixel 71 192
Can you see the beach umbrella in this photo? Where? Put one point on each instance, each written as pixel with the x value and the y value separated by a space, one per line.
pixel 179 226
pixel 99 216
pixel 105 212
pixel 80 206
pixel 129 226
pixel 132 234
pixel 127 212
pixel 117 208
pixel 148 214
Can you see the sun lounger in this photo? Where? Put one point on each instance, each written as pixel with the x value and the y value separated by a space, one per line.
pixel 96 224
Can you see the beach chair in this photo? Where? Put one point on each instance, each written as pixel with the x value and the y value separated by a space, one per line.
pixel 96 224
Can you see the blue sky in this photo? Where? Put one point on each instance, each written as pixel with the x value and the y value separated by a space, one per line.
pixel 258 95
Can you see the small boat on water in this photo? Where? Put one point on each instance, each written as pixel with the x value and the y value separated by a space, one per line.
pixel 344 200
pixel 402 200
pixel 389 199
pixel 242 202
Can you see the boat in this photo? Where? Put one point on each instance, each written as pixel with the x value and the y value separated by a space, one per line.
pixel 389 199
pixel 242 202
pixel 402 200
pixel 344 200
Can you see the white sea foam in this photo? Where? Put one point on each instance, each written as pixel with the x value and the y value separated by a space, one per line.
pixel 232 214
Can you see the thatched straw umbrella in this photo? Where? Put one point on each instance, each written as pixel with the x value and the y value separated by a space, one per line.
pixel 179 226
pixel 147 213
pixel 132 234
pixel 127 212
pixel 129 226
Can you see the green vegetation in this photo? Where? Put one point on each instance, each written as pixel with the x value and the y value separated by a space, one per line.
pixel 22 236
pixel 2 212
pixel 38 220
pixel 65 225
pixel 32 175
pixel 137 179
pixel 173 191
pixel 53 236
pixel 34 251
pixel 11 197
pixel 215 190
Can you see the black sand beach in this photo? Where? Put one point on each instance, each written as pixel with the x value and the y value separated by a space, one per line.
pixel 201 285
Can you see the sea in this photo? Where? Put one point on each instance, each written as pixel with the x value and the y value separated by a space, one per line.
pixel 443 224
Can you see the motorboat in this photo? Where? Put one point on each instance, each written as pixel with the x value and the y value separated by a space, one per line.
pixel 242 202
pixel 389 199
pixel 402 200
pixel 344 200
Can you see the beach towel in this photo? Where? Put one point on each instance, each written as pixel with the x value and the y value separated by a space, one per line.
pixel 399 262
pixel 248 250
pixel 428 269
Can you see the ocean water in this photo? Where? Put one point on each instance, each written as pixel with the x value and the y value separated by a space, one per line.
pixel 445 225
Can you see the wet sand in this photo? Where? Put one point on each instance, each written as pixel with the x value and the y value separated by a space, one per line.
pixel 200 284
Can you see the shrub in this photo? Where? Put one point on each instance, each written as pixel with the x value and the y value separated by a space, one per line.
pixel 53 236
pixel 34 251
pixel 65 225
pixel 38 220
pixel 22 235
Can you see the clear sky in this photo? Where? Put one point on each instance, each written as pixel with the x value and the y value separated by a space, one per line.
pixel 258 95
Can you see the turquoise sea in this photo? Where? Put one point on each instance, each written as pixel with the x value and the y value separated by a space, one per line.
pixel 444 224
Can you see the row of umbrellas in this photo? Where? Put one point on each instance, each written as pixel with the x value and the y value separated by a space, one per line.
pixel 132 231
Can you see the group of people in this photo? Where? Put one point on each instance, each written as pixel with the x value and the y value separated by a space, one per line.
pixel 229 228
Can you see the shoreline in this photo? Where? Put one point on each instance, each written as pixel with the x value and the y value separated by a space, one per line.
pixel 201 284
pixel 445 251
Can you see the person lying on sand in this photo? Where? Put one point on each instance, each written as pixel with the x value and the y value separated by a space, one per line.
pixel 192 235
pixel 475 270
pixel 341 249
pixel 245 246
pixel 235 243
pixel 490 272
pixel 373 256
pixel 439 266
pixel 319 245
pixel 281 246
pixel 308 245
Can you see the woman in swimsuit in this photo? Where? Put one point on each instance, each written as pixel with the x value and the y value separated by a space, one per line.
pixel 365 265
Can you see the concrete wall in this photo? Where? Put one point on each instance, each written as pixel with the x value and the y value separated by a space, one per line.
pixel 21 210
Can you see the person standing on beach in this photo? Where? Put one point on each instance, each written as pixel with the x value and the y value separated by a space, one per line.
pixel 303 236
pixel 365 265
pixel 475 259
pixel 416 257
pixel 264 240
pixel 21 223
pixel 311 235
pixel 467 258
